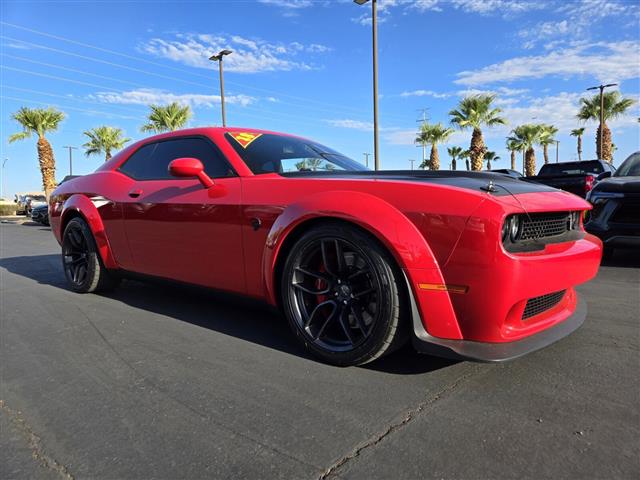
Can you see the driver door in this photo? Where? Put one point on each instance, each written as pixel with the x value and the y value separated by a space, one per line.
pixel 175 227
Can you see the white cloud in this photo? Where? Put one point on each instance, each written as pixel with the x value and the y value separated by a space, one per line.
pixel 506 8
pixel 290 4
pixel 578 20
pixel 407 137
pixel 615 61
pixel 424 93
pixel 147 96
pixel 559 110
pixel 250 55
pixel 351 124
pixel 486 7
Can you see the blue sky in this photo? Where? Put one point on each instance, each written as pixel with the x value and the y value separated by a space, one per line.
pixel 304 66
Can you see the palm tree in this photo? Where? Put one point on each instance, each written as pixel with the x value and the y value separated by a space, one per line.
pixel 309 164
pixel 578 132
pixel 527 136
pixel 614 106
pixel 547 137
pixel 103 140
pixel 454 153
pixel 474 112
pixel 40 121
pixel 513 146
pixel 434 134
pixel 490 156
pixel 465 156
pixel 167 118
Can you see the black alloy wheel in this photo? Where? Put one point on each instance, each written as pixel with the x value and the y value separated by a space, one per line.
pixel 342 296
pixel 81 261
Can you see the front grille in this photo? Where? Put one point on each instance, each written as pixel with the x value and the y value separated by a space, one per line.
pixel 541 225
pixel 627 213
pixel 541 304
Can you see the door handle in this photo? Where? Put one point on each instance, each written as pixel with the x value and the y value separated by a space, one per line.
pixel 135 193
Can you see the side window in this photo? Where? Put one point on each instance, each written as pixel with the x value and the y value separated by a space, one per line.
pixel 152 161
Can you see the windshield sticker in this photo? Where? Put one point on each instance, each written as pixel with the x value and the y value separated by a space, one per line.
pixel 244 138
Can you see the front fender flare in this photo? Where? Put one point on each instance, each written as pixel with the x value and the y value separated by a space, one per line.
pixel 390 226
pixel 84 206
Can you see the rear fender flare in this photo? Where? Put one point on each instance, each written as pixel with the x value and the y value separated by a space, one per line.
pixel 86 208
pixel 393 229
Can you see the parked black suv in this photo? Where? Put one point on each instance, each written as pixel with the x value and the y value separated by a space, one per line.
pixel 615 217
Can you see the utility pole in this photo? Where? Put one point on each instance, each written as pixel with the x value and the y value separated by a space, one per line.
pixel 601 129
pixel 411 160
pixel 423 121
pixel 218 58
pixel 70 158
pixel 366 159
pixel 374 27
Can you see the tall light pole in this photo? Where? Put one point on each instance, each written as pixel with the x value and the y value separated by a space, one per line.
pixel 557 149
pixel 366 159
pixel 70 158
pixel 374 25
pixel 218 58
pixel 601 129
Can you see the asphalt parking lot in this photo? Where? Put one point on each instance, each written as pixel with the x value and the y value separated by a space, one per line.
pixel 153 381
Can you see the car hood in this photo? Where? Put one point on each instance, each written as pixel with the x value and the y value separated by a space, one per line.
pixel 482 182
pixel 619 185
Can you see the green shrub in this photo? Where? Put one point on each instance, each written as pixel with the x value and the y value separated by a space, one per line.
pixel 7 209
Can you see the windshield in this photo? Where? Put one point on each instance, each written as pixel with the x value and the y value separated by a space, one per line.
pixel 630 167
pixel 572 168
pixel 270 153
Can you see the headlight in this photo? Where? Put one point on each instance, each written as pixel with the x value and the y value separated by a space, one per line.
pixel 505 230
pixel 514 228
pixel 574 221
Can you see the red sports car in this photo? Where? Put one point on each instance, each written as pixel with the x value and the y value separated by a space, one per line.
pixel 477 265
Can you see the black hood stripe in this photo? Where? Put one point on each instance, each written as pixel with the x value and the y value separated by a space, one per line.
pixel 477 181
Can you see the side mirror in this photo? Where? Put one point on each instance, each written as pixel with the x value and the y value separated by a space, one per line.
pixel 189 168
pixel 604 175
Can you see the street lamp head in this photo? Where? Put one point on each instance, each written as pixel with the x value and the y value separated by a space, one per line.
pixel 218 57
pixel 360 2
pixel 611 85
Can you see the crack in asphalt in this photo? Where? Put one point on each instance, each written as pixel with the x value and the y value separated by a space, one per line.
pixel 35 443
pixel 407 418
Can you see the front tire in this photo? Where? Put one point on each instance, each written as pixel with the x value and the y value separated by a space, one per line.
pixel 343 296
pixel 81 261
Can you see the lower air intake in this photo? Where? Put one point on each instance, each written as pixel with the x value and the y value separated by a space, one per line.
pixel 537 305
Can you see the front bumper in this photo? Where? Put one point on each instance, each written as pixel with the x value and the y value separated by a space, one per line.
pixel 498 352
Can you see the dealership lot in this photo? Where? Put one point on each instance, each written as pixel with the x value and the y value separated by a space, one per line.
pixel 165 382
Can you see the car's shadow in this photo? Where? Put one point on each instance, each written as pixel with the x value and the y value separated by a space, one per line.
pixel 228 314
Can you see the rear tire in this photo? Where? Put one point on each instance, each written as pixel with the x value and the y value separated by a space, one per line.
pixel 343 296
pixel 81 261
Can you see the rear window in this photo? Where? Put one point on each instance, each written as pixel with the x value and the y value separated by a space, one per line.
pixel 270 153
pixel 572 168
